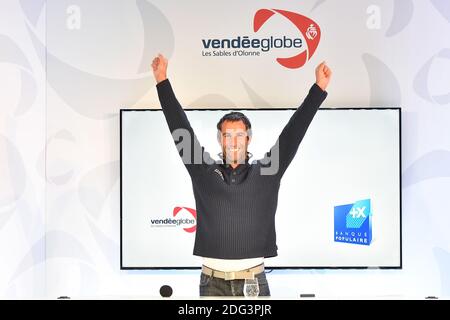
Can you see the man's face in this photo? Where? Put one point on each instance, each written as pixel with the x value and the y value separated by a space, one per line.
pixel 234 141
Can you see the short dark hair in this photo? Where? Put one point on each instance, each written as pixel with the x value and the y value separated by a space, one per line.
pixel 235 116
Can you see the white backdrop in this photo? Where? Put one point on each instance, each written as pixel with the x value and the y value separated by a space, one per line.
pixel 67 67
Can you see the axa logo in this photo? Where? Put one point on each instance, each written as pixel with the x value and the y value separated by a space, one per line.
pixel 189 223
pixel 353 223
pixel 309 29
pixel 243 45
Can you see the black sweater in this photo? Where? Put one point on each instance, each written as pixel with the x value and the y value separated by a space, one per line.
pixel 236 208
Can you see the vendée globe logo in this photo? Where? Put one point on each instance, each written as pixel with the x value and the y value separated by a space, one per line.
pixel 252 46
pixel 353 223
pixel 190 223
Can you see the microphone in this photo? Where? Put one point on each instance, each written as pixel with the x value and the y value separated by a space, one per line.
pixel 165 291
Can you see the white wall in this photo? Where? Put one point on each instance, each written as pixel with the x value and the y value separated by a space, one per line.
pixel 59 127
pixel 22 158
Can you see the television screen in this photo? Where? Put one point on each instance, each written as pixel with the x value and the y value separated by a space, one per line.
pixel 339 202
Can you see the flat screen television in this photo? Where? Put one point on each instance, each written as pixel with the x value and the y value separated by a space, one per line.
pixel 339 203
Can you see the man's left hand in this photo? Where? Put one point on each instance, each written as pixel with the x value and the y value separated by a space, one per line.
pixel 323 75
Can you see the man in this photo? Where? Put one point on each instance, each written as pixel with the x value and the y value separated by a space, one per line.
pixel 236 200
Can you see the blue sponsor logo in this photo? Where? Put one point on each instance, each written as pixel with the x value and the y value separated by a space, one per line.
pixel 353 223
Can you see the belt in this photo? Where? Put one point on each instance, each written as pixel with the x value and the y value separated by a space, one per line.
pixel 234 275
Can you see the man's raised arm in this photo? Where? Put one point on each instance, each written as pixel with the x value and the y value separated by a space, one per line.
pixel 282 153
pixel 187 144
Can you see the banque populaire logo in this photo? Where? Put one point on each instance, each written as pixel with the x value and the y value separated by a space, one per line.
pixel 353 223
pixel 251 46
pixel 178 221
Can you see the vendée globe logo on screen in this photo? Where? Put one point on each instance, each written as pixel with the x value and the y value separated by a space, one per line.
pixel 188 224
pixel 244 45
pixel 353 223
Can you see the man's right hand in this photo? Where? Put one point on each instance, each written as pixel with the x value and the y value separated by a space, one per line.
pixel 159 66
